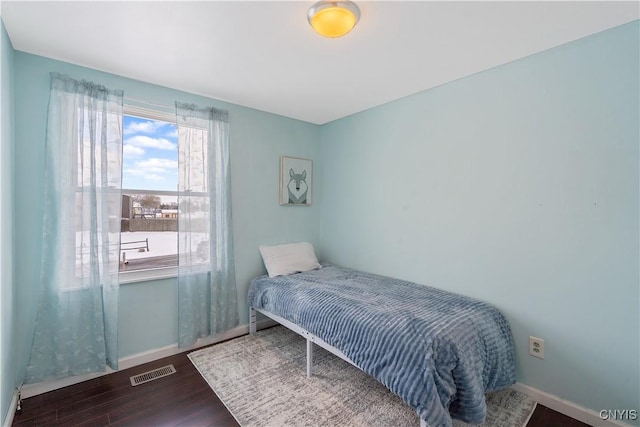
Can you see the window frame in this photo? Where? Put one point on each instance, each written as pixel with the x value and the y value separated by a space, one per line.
pixel 159 273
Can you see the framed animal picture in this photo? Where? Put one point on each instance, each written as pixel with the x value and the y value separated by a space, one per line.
pixel 295 181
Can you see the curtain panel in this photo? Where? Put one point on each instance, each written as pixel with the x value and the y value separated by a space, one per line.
pixel 207 293
pixel 76 321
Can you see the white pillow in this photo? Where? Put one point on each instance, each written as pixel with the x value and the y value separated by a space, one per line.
pixel 291 258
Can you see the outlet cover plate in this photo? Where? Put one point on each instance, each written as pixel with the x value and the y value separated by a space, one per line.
pixel 536 347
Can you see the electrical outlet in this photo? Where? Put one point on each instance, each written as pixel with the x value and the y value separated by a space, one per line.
pixel 536 347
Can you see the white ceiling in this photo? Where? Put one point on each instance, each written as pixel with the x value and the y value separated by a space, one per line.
pixel 264 55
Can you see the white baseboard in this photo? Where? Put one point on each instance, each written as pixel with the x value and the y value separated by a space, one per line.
pixel 12 410
pixel 29 390
pixel 150 356
pixel 567 407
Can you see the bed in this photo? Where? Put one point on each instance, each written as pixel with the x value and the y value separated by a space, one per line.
pixel 439 351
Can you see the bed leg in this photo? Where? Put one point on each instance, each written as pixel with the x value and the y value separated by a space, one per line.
pixel 252 321
pixel 309 358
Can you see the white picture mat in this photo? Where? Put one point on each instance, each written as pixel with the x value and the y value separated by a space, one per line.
pixel 288 185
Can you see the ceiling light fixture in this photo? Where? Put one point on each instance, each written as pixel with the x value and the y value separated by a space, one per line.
pixel 333 18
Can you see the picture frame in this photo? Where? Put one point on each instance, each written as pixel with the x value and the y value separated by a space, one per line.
pixel 296 176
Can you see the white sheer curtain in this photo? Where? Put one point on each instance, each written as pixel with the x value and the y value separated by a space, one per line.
pixel 207 294
pixel 76 324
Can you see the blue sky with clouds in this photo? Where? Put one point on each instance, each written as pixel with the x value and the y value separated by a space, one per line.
pixel 150 155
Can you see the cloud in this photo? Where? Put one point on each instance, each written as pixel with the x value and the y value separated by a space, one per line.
pixel 173 132
pixel 145 175
pixel 132 151
pixel 157 165
pixel 133 172
pixel 154 177
pixel 153 169
pixel 150 127
pixel 148 142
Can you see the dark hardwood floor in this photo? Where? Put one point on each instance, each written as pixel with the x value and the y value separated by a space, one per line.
pixel 181 399
pixel 545 417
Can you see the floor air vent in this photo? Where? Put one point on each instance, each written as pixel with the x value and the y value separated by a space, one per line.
pixel 145 377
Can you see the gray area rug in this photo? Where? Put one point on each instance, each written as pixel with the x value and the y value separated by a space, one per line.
pixel 262 380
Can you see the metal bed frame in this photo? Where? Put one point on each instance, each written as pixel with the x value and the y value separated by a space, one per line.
pixel 311 339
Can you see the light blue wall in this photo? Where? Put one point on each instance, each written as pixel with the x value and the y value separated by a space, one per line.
pixel 518 186
pixel 8 359
pixel 148 309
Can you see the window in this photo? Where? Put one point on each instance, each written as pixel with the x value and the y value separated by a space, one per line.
pixel 149 222
pixel 152 207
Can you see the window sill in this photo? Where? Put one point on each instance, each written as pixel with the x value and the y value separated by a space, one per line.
pixel 137 276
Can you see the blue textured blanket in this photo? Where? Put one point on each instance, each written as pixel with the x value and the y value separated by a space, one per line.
pixel 439 351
